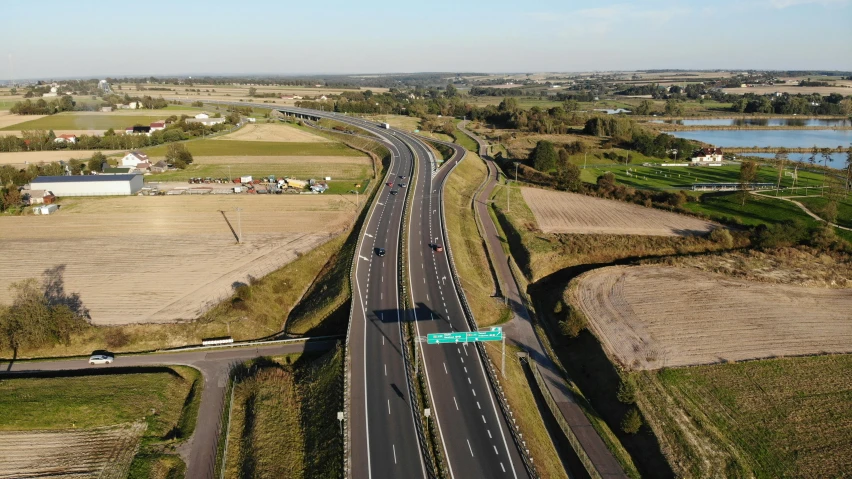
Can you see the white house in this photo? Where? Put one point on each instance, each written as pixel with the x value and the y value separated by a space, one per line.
pixel 133 158
pixel 207 121
pixel 707 156
pixel 158 126
pixel 202 116
pixel 65 139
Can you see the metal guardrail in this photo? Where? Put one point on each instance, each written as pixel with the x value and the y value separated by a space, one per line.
pixel 489 366
pixel 563 424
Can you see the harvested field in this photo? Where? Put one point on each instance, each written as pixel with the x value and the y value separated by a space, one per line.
pixel 57 132
pixel 561 212
pixel 260 148
pixel 102 453
pixel 649 317
pixel 8 119
pixel 23 158
pixel 273 132
pixel 163 259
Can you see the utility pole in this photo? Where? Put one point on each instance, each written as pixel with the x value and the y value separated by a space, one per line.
pixel 503 365
pixel 229 174
pixel 240 225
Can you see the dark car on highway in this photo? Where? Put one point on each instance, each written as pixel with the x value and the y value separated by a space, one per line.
pixel 380 251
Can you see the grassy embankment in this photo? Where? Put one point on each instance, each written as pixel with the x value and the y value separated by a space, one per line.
pixel 764 419
pixel 472 266
pixel 284 418
pixel 464 140
pixel 259 148
pixel 166 399
pixel 817 205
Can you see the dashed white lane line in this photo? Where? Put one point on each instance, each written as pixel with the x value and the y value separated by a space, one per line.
pixel 394 456
pixel 474 392
pixel 477 405
pixel 465 369
pixel 386 369
pixel 483 419
pixel 489 433
pixel 468 381
pixel 495 450
pixel 501 467
pixel 469 447
pixel 388 407
pixel 456 402
pixel 445 369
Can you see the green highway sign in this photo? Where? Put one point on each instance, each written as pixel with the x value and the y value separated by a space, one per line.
pixel 493 334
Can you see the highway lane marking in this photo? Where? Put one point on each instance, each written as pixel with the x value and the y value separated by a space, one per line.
pixel 368 259
pixel 501 467
pixel 445 369
pixel 477 405
pixel 469 447
pixel 468 381
pixel 465 349
pixel 489 433
pixel 465 370
pixel 495 450
pixel 456 402
pixel 474 392
pixel 383 340
pixel 368 234
pixel 462 359
pixel 394 456
pixel 483 419
pixel 386 368
pixel 388 407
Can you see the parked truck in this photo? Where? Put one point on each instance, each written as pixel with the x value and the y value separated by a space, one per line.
pixel 385 126
pixel 245 179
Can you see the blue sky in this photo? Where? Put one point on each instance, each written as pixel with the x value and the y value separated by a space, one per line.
pixel 56 39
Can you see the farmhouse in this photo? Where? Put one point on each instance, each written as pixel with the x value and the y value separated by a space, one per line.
pixel 65 139
pixel 202 116
pixel 37 197
pixel 206 121
pixel 133 158
pixel 90 185
pixel 707 156
pixel 158 126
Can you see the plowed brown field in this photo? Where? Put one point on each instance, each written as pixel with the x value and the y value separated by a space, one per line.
pixel 649 317
pixel 163 259
pixel 103 453
pixel 561 212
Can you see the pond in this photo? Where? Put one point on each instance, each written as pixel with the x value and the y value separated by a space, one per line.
pixel 770 138
pixel 827 122
pixel 838 160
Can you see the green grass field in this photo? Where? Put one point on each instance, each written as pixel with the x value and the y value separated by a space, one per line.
pixel 88 121
pixel 817 204
pixel 97 400
pixel 259 148
pixel 766 419
pixel 661 178
pixel 464 140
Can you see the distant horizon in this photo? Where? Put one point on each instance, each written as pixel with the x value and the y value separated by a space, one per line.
pixel 380 74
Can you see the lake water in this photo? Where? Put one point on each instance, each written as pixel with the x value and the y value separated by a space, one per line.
pixel 770 138
pixel 759 122
pixel 838 160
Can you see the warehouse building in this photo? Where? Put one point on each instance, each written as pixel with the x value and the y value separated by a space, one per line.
pixel 89 185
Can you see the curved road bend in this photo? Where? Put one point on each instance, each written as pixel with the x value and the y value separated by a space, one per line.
pixel 521 332
pixel 214 365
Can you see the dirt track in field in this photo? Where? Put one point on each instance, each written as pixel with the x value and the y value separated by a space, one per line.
pixel 561 212
pixel 9 119
pixel 649 317
pixel 273 132
pixel 102 453
pixel 163 259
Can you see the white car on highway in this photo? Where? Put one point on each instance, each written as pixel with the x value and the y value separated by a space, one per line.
pixel 101 359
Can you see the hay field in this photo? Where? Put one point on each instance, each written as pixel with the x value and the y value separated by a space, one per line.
pixel 649 317
pixel 57 132
pixel 102 453
pixel 23 158
pixel 163 259
pixel 561 212
pixel 8 119
pixel 79 120
pixel 337 167
pixel 273 132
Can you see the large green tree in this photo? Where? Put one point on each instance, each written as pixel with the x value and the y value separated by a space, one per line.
pixel 748 173
pixel 543 157
pixel 178 155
